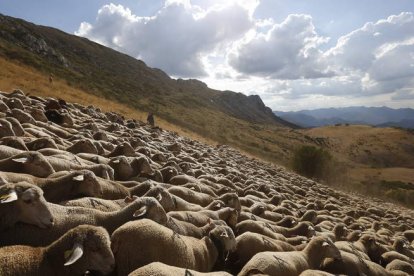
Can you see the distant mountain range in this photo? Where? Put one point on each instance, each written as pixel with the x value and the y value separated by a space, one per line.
pixel 376 116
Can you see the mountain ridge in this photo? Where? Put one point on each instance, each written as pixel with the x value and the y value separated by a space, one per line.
pixel 122 78
pixel 375 116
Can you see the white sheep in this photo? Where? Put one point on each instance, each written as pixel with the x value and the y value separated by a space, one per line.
pixel 160 269
pixel 23 202
pixel 66 218
pixel 141 242
pixel 81 249
pixel 292 263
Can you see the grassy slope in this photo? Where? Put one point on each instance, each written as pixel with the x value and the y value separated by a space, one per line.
pixel 268 142
pixel 115 77
pixel 116 82
pixel 372 156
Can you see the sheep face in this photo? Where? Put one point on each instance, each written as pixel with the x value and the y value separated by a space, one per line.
pixel 231 200
pixel 85 146
pixel 95 246
pixel 29 204
pixel 87 184
pixel 153 210
pixel 166 200
pixel 35 163
pixel 145 167
pixel 225 236
pixel 323 247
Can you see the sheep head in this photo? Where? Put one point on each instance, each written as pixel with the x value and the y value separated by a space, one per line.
pixel 86 183
pixel 224 238
pixel 88 248
pixel 33 162
pixel 24 202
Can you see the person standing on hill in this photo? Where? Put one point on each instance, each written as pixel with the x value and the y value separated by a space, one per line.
pixel 150 119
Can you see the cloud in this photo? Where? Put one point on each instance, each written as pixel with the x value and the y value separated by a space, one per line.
pixel 289 50
pixel 175 39
pixel 283 61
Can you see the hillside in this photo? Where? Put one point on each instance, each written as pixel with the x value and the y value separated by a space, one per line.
pixel 83 73
pixel 223 116
pixel 373 160
pixel 122 78
pixel 376 116
pixel 100 194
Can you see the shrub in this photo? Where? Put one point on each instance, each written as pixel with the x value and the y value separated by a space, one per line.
pixel 311 162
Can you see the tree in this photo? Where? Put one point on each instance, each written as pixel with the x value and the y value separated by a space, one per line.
pixel 311 161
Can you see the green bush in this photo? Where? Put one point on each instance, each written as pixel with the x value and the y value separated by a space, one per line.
pixel 311 162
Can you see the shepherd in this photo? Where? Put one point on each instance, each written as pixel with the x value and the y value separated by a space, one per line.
pixel 51 78
pixel 150 119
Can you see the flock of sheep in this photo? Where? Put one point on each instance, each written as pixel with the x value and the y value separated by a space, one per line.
pixel 85 192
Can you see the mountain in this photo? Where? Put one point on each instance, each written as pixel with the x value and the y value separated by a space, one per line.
pixel 117 76
pixel 376 116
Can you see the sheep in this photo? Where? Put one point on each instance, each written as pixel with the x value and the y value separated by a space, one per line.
pixel 126 168
pixel 81 249
pixel 23 202
pixel 41 143
pixel 14 142
pixel 249 244
pixel 402 246
pixel 191 195
pixel 313 272
pixel 292 263
pixel 100 204
pixel 302 229
pixel 199 218
pixel 65 187
pixel 137 243
pixel 173 203
pixel 409 235
pixel 154 211
pixel 160 269
pixel 6 128
pixel 65 218
pixel 401 266
pixel 16 126
pixel 27 162
pixel 390 256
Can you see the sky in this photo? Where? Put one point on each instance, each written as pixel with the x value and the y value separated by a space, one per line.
pixel 301 54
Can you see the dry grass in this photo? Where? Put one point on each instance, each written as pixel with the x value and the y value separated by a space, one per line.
pixel 387 174
pixel 370 154
pixel 14 75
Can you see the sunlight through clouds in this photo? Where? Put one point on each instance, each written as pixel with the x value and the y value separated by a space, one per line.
pixel 227 46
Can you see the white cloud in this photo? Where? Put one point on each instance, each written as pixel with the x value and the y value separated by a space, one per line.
pixel 289 50
pixel 285 62
pixel 175 39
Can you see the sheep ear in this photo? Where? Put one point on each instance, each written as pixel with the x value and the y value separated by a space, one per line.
pixel 310 228
pixel 218 205
pixel 129 199
pixel 224 234
pixel 192 188
pixel 10 197
pixel 140 212
pixel 116 161
pixel 79 177
pixel 324 244
pixel 71 256
pixel 293 221
pixel 21 160
pixel 159 197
